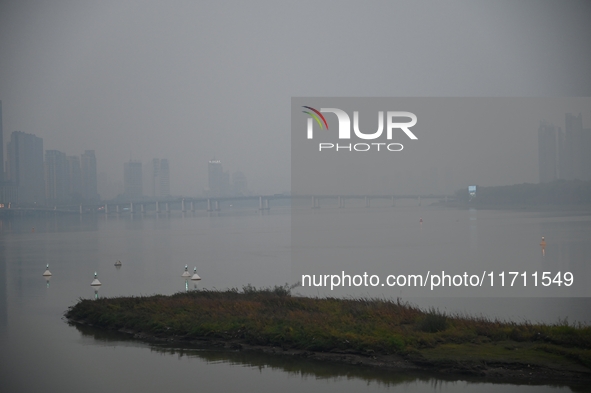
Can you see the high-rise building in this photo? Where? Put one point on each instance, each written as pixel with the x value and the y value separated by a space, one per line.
pixel 132 180
pixel 8 192
pixel 239 185
pixel 547 153
pixel 160 178
pixel 164 181
pixel 586 154
pixel 25 167
pixel 218 180
pixel 56 177
pixel 88 172
pixel 572 149
pixel 155 173
pixel 74 178
pixel 1 148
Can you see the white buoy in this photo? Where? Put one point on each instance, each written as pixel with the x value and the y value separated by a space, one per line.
pixel 95 282
pixel 195 276
pixel 186 273
pixel 47 272
pixel 118 263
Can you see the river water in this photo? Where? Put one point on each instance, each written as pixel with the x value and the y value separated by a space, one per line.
pixel 231 248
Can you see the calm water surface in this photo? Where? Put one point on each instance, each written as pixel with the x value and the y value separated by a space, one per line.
pixel 41 352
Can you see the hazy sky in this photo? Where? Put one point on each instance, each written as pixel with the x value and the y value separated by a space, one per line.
pixel 188 80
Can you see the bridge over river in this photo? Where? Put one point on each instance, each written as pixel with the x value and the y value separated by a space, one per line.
pixel 213 204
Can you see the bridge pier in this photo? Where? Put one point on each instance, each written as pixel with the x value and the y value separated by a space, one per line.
pixel 366 201
pixel 106 209
pixel 315 202
pixel 217 205
pixel 192 206
pixel 183 205
pixel 142 208
pixel 341 202
pixel 393 201
pixel 208 204
pixel 131 207
pixel 80 209
pixel 157 207
pixel 117 209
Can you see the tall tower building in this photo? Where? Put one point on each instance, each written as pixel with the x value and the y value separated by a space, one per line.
pixel 8 191
pixel 155 173
pixel 56 177
pixel 547 153
pixel 74 178
pixel 572 151
pixel 89 181
pixel 218 180
pixel 164 179
pixel 586 154
pixel 160 178
pixel 1 149
pixel 239 185
pixel 25 167
pixel 132 180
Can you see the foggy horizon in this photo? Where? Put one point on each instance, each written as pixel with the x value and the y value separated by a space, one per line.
pixel 189 82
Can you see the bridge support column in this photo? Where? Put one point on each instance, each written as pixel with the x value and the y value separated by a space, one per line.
pixel 315 202
pixel 260 203
pixel 131 207
pixel 157 207
pixel 366 201
pixel 80 209
pixel 393 202
pixel 208 204
pixel 217 205
pixel 142 208
pixel 183 205
pixel 267 204
pixel 341 202
pixel 106 209
pixel 192 206
pixel 167 208
pixel 117 209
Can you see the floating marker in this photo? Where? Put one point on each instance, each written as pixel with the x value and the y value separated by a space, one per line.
pixel 186 273
pixel 118 263
pixel 195 276
pixel 95 282
pixel 47 272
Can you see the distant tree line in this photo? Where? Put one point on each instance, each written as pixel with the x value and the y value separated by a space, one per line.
pixel 559 192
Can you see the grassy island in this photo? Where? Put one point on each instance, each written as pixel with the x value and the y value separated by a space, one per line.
pixel 369 331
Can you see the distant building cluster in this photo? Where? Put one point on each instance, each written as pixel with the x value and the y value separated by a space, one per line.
pixel 30 178
pixel 33 177
pixel 219 181
pixel 133 180
pixel 564 154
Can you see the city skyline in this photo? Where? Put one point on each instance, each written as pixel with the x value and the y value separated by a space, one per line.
pixel 563 152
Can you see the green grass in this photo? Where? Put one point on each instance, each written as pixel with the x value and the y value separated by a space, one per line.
pixel 274 317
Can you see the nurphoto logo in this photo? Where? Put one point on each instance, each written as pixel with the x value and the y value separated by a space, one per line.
pixel 344 132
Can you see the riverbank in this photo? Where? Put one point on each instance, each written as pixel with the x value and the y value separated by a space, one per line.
pixel 371 332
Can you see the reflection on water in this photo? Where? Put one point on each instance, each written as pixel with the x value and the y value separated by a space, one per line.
pixel 230 248
pixel 324 370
